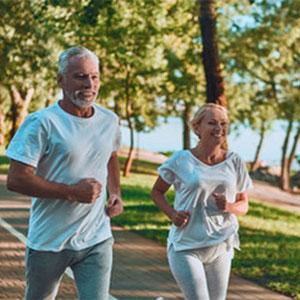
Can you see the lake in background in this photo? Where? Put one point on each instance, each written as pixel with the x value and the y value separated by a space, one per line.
pixel 168 137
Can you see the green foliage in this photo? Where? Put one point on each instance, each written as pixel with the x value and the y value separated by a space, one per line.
pixel 4 164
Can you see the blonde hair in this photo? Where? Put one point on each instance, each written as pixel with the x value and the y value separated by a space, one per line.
pixel 201 113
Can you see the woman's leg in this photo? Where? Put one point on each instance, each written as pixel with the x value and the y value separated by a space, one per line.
pixel 189 274
pixel 217 275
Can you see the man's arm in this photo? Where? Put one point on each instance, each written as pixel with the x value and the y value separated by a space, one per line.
pixel 115 203
pixel 22 179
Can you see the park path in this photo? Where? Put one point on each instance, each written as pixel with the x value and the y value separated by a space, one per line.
pixel 140 269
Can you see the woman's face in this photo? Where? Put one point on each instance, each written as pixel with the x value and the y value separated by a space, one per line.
pixel 213 127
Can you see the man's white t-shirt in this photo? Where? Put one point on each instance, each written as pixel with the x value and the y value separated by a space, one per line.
pixel 194 183
pixel 66 149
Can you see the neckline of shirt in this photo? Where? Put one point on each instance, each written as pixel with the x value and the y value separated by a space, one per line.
pixel 76 118
pixel 228 155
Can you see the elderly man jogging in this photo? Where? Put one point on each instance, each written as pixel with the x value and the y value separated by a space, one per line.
pixel 64 156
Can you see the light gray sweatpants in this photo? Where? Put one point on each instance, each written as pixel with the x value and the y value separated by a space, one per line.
pixel 202 274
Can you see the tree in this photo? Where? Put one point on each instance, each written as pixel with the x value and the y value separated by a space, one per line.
pixel 183 89
pixel 264 53
pixel 24 52
pixel 213 74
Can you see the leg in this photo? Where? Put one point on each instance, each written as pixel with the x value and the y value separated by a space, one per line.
pixel 44 270
pixel 92 272
pixel 188 271
pixel 217 274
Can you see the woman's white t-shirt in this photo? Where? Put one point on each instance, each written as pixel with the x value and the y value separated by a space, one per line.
pixel 194 183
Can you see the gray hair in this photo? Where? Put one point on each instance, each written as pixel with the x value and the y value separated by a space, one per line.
pixel 65 56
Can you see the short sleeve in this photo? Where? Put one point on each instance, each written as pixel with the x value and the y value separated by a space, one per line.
pixel 244 181
pixel 29 143
pixel 167 170
pixel 117 139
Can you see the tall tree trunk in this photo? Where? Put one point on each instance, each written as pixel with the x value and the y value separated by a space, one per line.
pixel 284 176
pixel 210 55
pixel 129 159
pixel 19 107
pixel 186 118
pixel 293 150
pixel 262 134
pixel 2 126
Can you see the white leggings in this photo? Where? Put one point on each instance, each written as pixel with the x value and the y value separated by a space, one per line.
pixel 202 274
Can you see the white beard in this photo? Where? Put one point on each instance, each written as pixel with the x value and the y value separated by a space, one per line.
pixel 78 102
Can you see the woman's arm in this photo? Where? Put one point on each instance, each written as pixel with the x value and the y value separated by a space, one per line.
pixel 179 218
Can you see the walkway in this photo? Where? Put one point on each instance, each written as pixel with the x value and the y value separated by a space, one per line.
pixel 140 268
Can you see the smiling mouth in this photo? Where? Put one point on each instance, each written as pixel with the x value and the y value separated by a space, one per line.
pixel 218 135
pixel 84 94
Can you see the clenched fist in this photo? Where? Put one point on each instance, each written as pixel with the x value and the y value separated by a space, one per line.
pixel 222 202
pixel 85 191
pixel 181 218
pixel 114 205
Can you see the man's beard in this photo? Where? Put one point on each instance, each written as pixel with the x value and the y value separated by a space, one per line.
pixel 79 102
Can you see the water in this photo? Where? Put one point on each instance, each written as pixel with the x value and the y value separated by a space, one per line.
pixel 168 137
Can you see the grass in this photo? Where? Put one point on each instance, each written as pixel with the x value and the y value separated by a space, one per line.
pixel 270 237
pixel 4 161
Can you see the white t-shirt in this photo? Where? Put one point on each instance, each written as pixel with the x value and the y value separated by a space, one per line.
pixel 65 149
pixel 194 183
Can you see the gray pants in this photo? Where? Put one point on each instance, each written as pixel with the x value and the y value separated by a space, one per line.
pixel 202 274
pixel 91 268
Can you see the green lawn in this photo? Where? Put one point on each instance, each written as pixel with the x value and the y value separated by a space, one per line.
pixel 270 238
pixel 3 164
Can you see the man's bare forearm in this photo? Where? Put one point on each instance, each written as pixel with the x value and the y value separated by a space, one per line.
pixel 113 180
pixel 22 179
pixel 35 186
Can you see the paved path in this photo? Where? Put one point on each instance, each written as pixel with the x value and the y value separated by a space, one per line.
pixel 140 269
pixel 270 194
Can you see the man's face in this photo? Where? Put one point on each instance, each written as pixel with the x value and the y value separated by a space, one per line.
pixel 81 82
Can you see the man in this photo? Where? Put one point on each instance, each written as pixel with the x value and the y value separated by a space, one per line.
pixel 64 156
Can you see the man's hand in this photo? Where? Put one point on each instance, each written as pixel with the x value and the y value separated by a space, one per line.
pixel 114 205
pixel 86 190
pixel 221 202
pixel 181 218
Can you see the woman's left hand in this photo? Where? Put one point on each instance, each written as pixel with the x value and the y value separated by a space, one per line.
pixel 221 202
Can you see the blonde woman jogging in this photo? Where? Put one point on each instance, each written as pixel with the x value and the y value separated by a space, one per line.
pixel 211 186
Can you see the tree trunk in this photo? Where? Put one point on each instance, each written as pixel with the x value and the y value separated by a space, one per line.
pixel 129 159
pixel 293 150
pixel 2 126
pixel 255 163
pixel 210 55
pixel 187 114
pixel 284 176
pixel 19 107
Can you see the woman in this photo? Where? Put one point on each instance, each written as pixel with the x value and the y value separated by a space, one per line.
pixel 211 186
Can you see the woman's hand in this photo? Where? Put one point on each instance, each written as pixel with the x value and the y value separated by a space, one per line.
pixel 239 207
pixel 180 218
pixel 221 202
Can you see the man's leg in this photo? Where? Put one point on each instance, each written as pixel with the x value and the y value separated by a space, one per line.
pixel 44 270
pixel 92 272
